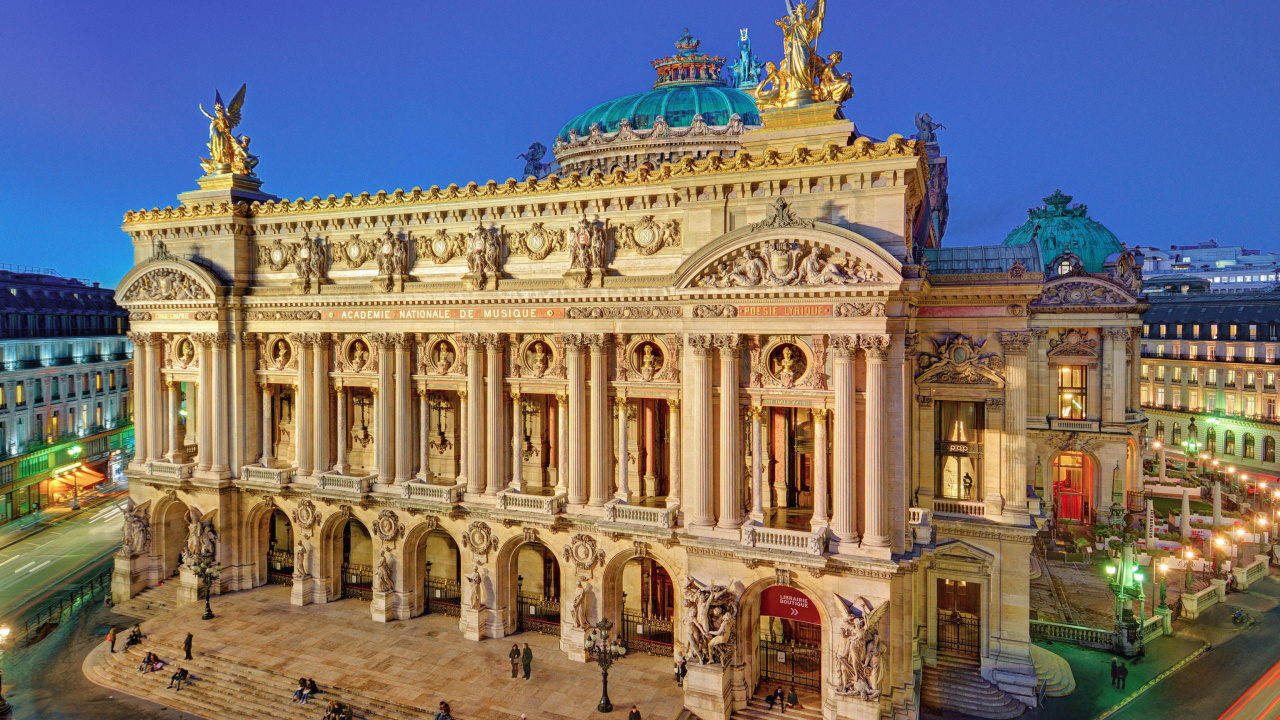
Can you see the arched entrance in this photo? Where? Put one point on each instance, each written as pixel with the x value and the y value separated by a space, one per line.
pixel 789 633
pixel 648 603
pixel 1073 477
pixel 171 532
pixel 435 566
pixel 276 558
pixel 537 589
pixel 350 558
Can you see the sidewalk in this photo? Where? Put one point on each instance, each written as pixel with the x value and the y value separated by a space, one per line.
pixel 16 531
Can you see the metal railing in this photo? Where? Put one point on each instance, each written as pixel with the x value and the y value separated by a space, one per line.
pixel 54 610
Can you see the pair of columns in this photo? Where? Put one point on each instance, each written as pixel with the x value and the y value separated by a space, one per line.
pixel 152 441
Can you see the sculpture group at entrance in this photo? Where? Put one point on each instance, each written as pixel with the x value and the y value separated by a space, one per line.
pixel 712 617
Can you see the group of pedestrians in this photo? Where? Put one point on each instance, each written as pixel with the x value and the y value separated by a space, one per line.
pixel 1119 673
pixel 151 662
pixel 519 658
pixel 306 688
pixel 782 700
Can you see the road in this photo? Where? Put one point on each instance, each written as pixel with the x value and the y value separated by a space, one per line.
pixel 41 566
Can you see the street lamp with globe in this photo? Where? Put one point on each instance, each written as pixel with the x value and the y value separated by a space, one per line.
pixel 74 452
pixel 600 646
pixel 207 570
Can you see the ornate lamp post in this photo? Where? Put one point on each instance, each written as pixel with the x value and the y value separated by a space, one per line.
pixel 426 590
pixel 1163 567
pixel 207 570
pixel 74 451
pixel 599 645
pixel 1188 555
pixel 1126 584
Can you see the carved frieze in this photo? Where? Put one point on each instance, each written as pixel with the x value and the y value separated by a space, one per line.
pixel 959 360
pixel 281 315
pixel 1082 293
pixel 782 263
pixel 165 284
pixel 441 246
pixel 715 311
pixel 1073 344
pixel 861 309
pixel 624 312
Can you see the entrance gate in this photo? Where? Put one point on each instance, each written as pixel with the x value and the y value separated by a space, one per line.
pixel 539 614
pixel 959 627
pixel 444 596
pixel 790 638
pixel 653 635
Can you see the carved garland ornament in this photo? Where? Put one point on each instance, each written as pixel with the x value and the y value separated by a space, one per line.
pixel 585 555
pixel 306 518
pixel 166 284
pixel 627 312
pixel 480 541
pixel 864 309
pixel 281 314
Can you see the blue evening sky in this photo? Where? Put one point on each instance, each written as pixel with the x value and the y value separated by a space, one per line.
pixel 1160 116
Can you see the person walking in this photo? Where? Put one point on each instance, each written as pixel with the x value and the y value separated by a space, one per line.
pixel 526 659
pixel 111 638
pixel 634 714
pixel 1124 675
pixel 515 660
pixel 186 645
pixel 1115 673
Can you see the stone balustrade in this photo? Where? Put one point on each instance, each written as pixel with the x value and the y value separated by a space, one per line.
pixel 813 542
pixel 659 517
pixel 967 508
pixel 345 484
pixel 175 471
pixel 258 475
pixel 535 504
pixel 427 492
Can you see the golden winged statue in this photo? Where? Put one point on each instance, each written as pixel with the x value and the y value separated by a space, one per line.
pixel 227 153
pixel 803 76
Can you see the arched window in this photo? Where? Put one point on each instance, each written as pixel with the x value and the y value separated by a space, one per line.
pixel 1248 447
pixel 1229 443
pixel 1177 433
pixel 1268 449
pixel 1160 430
pixel 1211 440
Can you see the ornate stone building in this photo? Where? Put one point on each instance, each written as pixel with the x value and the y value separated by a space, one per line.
pixel 699 399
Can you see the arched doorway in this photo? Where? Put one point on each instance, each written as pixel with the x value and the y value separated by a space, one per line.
pixel 172 535
pixel 1073 476
pixel 351 549
pixel 537 573
pixel 648 607
pixel 436 568
pixel 789 633
pixel 276 558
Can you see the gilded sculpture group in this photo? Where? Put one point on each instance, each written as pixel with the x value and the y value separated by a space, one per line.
pixel 804 76
pixel 227 152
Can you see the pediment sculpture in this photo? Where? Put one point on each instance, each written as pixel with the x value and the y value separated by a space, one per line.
pixel 165 284
pixel 959 360
pixel 787 263
pixel 1073 343
pixel 1081 292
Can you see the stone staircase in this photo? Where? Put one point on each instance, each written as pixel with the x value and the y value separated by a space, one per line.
pixel 810 707
pixel 1053 671
pixel 151 602
pixel 957 685
pixel 221 689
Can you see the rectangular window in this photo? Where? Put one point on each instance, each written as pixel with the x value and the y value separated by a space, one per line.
pixel 97 381
pixel 4 397
pixel 1253 332
pixel 1231 404
pixel 1271 378
pixel 1177 330
pixel 1213 331
pixel 1195 331
pixel 1177 373
pixel 1146 330
pixel 1232 330
pixel 1271 354
pixel 1146 394
pixel 1210 402
pixel 1160 350
pixel 19 394
pixel 1231 353
pixel 959 449
pixel 1250 405
pixel 1250 353
pixel 1159 372
pixel 1195 400
pixel 1231 376
pixel 1163 328
pixel 1193 351
pixel 1159 397
pixel 1146 371
pixel 1071 392
pixel 1249 378
pixel 1195 375
pixel 1210 352
pixel 1213 376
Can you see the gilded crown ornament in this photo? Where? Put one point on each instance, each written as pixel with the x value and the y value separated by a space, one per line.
pixel 227 152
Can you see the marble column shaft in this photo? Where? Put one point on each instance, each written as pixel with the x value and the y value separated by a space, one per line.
pixel 155 360
pixel 340 465
pixel 140 395
pixel 1015 419
pixel 562 442
pixel 730 437
pixel 320 404
pixel 600 450
pixel 267 430
pixel 220 433
pixel 820 480
pixel 673 452
pixel 649 488
pixel 175 448
pixel 698 493
pixel 757 465
pixel 204 391
pixel 493 404
pixel 517 443
pixel 424 435
pixel 383 401
pixel 303 398
pixel 623 408
pixel 403 411
pixel 844 479
pixel 876 519
pixel 576 428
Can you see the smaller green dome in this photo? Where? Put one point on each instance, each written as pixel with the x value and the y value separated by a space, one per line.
pixel 1059 230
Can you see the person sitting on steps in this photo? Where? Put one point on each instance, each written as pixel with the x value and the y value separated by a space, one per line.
pixel 178 677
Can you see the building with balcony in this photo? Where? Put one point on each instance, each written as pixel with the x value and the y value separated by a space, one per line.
pixel 678 397
pixel 64 384
pixel 1208 266
pixel 1212 359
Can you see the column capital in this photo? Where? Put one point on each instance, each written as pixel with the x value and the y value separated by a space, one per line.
pixel 596 341
pixel 1114 333
pixel 819 414
pixel 673 404
pixel 323 341
pixel 728 343
pixel 910 340
pixel 845 346
pixel 373 390
pixel 422 393
pixel 876 347
pixel 1015 343
pixel 264 386
pixel 169 383
pixel 220 339
pixel 562 399
pixel 466 340
pixel 250 337
pixel 700 344
pixel 515 395
pixel 339 388
pixel 1039 333
pixel 403 341
pixel 201 339
pixel 381 340
pixel 138 338
pixel 755 412
pixel 924 400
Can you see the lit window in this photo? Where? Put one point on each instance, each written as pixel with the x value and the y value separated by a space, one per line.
pixel 1163 327
pixel 1231 376
pixel 1177 373
pixel 1253 332
pixel 1071 392
pixel 1231 353
pixel 1146 371
pixel 1177 329
pixel 1250 353
pixel 1213 376
pixel 1213 331
pixel 1159 372
pixel 959 449
pixel 1193 351
pixel 1195 331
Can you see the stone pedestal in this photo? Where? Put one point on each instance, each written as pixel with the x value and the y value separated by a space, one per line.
pixel 188 586
pixel 301 593
pixel 854 707
pixel 994 504
pixel 813 125
pixel 708 692
pixel 382 607
pixel 474 624
pixel 573 643
pixel 128 578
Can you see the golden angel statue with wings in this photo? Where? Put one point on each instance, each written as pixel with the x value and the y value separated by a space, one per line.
pixel 226 151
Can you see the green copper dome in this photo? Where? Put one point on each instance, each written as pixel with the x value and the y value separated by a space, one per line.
pixel 1059 229
pixel 688 84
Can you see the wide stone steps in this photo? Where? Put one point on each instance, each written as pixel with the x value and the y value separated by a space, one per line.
pixel 224 689
pixel 1053 671
pixel 757 709
pixel 151 602
pixel 956 684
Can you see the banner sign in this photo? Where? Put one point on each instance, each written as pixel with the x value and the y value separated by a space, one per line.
pixel 788 603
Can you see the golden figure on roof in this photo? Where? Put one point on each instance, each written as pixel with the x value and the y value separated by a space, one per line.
pixel 804 76
pixel 227 153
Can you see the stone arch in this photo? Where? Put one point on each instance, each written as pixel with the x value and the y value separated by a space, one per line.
pixel 831 238
pixel 417 551
pixel 169 279
pixel 168 535
pixel 257 544
pixel 330 546
pixel 611 600
pixel 506 572
pixel 749 636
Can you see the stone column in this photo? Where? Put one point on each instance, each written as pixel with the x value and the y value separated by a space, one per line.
pixel 340 465
pixel 730 438
pixel 562 442
pixel 404 410
pixel 1015 345
pixel 576 427
pixel 204 391
pixel 175 449
pixel 623 410
pixel 517 442
pixel 155 403
pixel 244 354
pixel 673 452
pixel 600 450
pixel 221 430
pixel 463 420
pixel 1116 342
pixel 820 481
pixel 320 403
pixel 383 401
pixel 140 438
pixel 649 484
pixel 844 480
pixel 1134 357
pixel 701 513
pixel 1041 379
pixel 876 518
pixel 493 416
pixel 755 412
pixel 424 435
pixel 266 459
pixel 303 397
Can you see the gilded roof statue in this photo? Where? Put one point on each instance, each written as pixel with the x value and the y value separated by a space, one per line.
pixel 227 152
pixel 804 76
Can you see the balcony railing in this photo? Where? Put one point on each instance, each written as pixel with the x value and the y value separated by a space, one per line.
pixel 967 508
pixel 1073 425
pixel 428 492
pixel 659 517
pixel 275 477
pixel 536 504
pixel 345 484
pixel 174 471
pixel 813 542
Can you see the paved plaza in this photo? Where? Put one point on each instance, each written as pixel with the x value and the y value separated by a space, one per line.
pixel 414 663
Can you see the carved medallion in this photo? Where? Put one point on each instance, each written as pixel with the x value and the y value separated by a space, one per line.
pixel 388 527
pixel 479 540
pixel 306 518
pixel 280 354
pixel 584 554
pixel 357 355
